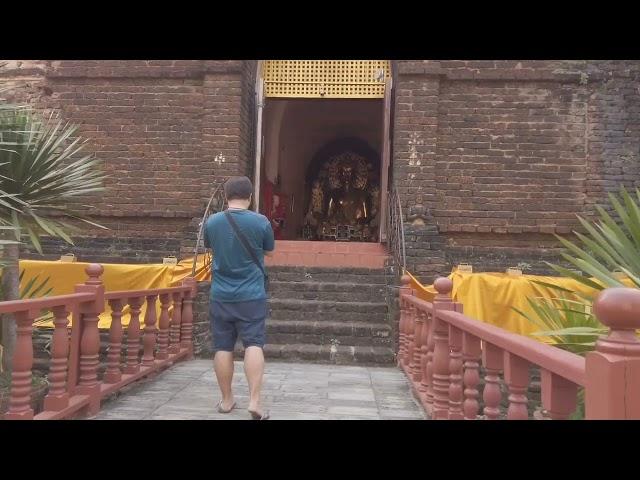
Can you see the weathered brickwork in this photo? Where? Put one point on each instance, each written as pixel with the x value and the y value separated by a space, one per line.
pixel 613 141
pixel 157 127
pixel 503 154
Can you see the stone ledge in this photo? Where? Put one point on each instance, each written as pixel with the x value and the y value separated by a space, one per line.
pixel 527 75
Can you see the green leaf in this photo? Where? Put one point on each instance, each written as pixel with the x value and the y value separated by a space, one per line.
pixel 565 272
pixel 552 286
pixel 42 167
pixel 35 241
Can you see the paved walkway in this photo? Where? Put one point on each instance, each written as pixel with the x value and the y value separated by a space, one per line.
pixel 291 391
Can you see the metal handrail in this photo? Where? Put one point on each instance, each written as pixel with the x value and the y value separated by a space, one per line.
pixel 218 197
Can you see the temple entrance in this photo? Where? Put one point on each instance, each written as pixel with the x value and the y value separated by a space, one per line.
pixel 322 161
pixel 321 169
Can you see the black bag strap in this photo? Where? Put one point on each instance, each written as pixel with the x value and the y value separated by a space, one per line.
pixel 243 241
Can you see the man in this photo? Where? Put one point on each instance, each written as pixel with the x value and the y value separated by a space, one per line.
pixel 238 303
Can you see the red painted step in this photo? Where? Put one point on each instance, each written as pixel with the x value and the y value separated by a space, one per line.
pixel 328 254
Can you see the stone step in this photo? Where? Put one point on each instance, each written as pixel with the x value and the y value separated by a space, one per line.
pixel 328 254
pixel 328 333
pixel 326 306
pixel 364 276
pixel 338 269
pixel 327 311
pixel 330 291
pixel 293 315
pixel 339 355
pixel 305 338
pixel 307 246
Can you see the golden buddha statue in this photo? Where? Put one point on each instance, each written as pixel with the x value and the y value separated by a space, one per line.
pixel 342 198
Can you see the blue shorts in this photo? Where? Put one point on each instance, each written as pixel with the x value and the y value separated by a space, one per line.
pixel 246 319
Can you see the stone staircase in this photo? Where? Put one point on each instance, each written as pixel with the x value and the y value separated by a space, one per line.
pixel 330 314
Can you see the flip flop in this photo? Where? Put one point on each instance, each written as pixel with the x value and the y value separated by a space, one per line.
pixel 222 410
pixel 257 416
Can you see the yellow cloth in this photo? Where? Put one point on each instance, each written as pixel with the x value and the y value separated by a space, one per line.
pixel 489 297
pixel 423 293
pixel 64 276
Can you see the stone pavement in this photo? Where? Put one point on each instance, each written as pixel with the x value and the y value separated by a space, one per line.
pixel 291 391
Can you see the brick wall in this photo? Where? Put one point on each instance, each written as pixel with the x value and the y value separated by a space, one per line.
pixel 157 127
pixel 505 153
pixel 502 153
pixel 613 126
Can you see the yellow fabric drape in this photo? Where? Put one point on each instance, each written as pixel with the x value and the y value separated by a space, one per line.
pixel 427 293
pixel 490 297
pixel 64 276
pixel 487 297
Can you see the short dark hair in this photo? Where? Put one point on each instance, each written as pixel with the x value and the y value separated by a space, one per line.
pixel 238 188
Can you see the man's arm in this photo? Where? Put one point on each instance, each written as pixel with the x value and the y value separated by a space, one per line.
pixel 206 240
pixel 268 241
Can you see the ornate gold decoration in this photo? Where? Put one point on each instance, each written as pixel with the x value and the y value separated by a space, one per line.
pixel 344 201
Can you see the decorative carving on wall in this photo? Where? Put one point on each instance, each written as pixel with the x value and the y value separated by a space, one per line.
pixel 418 213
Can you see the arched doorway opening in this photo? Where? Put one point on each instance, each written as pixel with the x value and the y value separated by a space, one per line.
pixel 320 124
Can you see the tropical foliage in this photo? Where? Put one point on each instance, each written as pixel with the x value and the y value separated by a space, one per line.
pixel 564 320
pixel 606 255
pixel 44 172
pixel 41 171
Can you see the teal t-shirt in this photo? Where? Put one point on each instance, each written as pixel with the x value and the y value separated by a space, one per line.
pixel 235 277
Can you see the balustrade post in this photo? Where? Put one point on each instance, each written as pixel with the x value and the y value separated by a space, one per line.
pixel 186 334
pixel 401 332
pixel 455 374
pixel 559 395
pixel 163 332
pixel 149 337
pixel 133 336
pixel 113 373
pixel 405 289
pixel 410 339
pixel 440 379
pixel 492 358
pixel 90 338
pixel 174 332
pixel 428 380
pixel 21 375
pixel 516 376
pixel 416 372
pixel 471 351
pixel 58 398
pixel 424 342
pixel 612 389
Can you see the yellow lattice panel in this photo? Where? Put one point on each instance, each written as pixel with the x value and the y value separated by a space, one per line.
pixel 325 78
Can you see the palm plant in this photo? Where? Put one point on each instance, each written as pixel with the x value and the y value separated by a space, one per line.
pixel 564 320
pixel 609 248
pixel 37 288
pixel 34 288
pixel 608 253
pixel 42 172
pixel 4 204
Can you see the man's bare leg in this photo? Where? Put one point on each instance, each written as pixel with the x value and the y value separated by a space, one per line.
pixel 223 366
pixel 254 370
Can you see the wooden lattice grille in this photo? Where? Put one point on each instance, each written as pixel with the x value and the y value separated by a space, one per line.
pixel 325 78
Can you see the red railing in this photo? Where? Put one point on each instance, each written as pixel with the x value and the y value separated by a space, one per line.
pixel 74 387
pixel 441 351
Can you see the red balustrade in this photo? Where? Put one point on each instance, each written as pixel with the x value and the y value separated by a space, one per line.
pixel 442 351
pixel 75 388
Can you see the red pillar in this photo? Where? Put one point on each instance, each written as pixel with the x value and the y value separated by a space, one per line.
pixel 613 371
